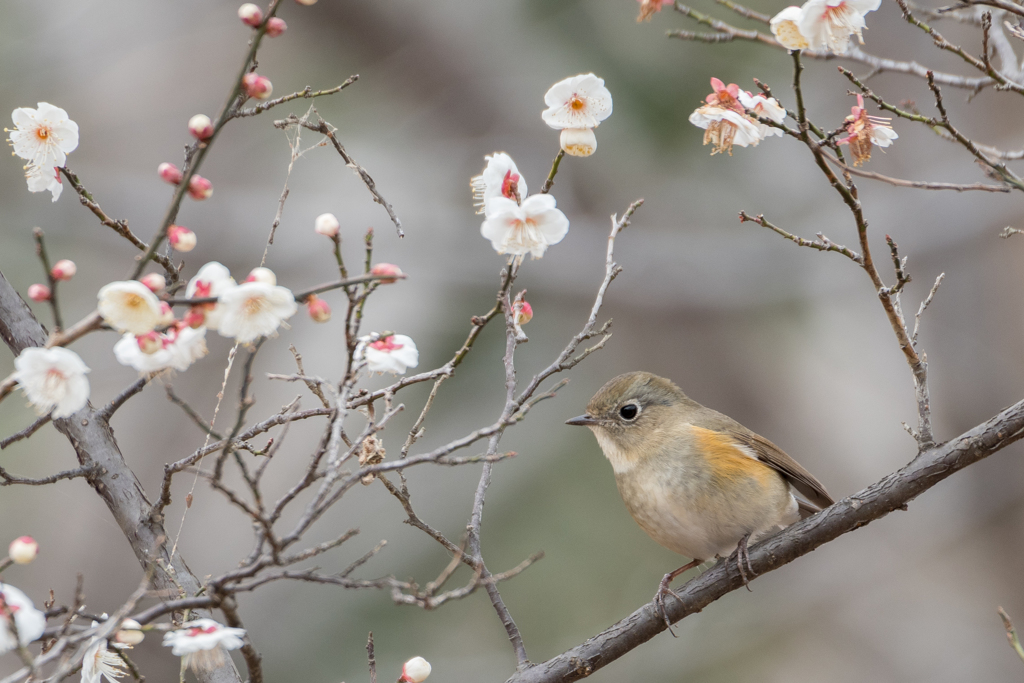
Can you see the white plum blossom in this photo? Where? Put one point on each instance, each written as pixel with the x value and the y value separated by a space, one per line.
pixel 765 107
pixel 43 178
pixel 178 348
pixel 100 662
pixel 578 142
pixel 202 642
pixel 213 279
pixel 52 379
pixel 129 306
pixel 254 309
pixel 865 131
pixel 786 28
pixel 530 227
pixel 394 354
pixel 44 136
pixel 724 119
pixel 23 550
pixel 828 24
pixel 500 178
pixel 577 102
pixel 415 670
pixel 30 622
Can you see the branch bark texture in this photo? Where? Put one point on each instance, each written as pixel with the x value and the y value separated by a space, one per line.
pixel 893 492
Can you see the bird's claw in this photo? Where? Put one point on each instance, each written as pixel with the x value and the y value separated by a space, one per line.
pixel 743 555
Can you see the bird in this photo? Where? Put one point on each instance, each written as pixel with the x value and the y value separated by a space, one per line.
pixel 698 482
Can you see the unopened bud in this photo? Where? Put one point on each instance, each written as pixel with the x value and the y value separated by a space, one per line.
pixel 199 187
pixel 200 126
pixel 276 26
pixel 319 311
pixel 169 172
pixel 195 318
pixel 63 270
pixel 250 14
pixel 149 343
pixel 154 281
pixel 130 633
pixel 261 274
pixel 39 292
pixel 387 269
pixel 578 142
pixel 181 238
pixel 523 311
pixel 166 314
pixel 23 549
pixel 256 86
pixel 327 224
pixel 415 670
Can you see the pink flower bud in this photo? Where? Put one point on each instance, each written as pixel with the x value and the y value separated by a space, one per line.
pixel 195 318
pixel 130 633
pixel 23 549
pixel 386 269
pixel 39 292
pixel 250 14
pixel 256 86
pixel 319 311
pixel 181 238
pixel 63 270
pixel 415 670
pixel 327 224
pixel 149 343
pixel 523 311
pixel 200 126
pixel 155 281
pixel 261 274
pixel 169 173
pixel 166 314
pixel 199 187
pixel 275 26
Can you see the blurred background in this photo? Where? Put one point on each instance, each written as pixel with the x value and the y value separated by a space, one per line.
pixel 789 341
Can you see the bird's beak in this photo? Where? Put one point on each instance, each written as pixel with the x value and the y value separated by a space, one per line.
pixel 583 421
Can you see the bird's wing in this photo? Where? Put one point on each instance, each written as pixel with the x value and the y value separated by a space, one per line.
pixel 773 456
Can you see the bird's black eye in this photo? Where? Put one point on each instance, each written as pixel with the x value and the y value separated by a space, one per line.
pixel 629 411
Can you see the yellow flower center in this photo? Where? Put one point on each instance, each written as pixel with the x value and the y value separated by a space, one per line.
pixel 577 103
pixel 254 305
pixel 43 133
pixel 132 300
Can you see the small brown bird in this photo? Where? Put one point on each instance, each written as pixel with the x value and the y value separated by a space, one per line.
pixel 698 482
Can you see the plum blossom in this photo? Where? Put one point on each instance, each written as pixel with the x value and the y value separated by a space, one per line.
pixel 765 107
pixel 253 310
pixel 828 24
pixel 52 379
pixel 649 7
pixel 786 28
pixel 577 102
pixel 202 643
pixel 177 348
pixel 44 136
pixel 129 306
pixel 415 670
pixel 395 354
pixel 530 227
pixel 213 279
pixel 99 662
pixel 327 224
pixel 30 622
pixel 865 131
pixel 23 550
pixel 724 120
pixel 64 270
pixel 578 142
pixel 43 178
pixel 500 178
